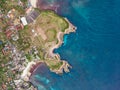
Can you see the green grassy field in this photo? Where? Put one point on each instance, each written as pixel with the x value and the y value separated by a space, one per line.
pixel 51 35
pixel 54 64
pixel 49 18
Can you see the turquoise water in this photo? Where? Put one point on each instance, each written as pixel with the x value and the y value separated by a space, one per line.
pixel 93 51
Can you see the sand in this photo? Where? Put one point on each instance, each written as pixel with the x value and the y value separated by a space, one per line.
pixel 26 73
pixel 33 3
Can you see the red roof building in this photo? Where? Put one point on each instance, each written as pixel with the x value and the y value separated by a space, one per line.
pixel 19 27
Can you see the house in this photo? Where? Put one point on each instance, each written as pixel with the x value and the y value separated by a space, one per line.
pixel 16 21
pixel 24 21
pixel 8 33
pixel 11 13
pixel 6 49
pixel 12 30
pixel 19 27
pixel 4 86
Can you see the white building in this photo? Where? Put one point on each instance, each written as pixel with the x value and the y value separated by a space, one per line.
pixel 24 21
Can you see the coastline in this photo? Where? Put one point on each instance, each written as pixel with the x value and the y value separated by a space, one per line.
pixel 64 67
pixel 71 28
pixel 30 69
pixel 34 43
pixel 50 55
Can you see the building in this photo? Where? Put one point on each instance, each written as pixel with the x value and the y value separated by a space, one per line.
pixel 19 27
pixel 10 31
pixel 24 21
pixel 5 50
pixel 4 86
pixel 11 13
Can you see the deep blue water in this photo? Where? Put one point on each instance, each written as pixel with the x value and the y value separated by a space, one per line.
pixel 93 51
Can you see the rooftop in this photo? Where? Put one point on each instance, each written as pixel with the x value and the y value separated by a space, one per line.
pixel 24 21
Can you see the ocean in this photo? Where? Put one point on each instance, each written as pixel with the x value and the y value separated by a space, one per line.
pixel 93 51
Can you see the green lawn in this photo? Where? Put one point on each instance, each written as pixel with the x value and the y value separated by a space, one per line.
pixel 56 66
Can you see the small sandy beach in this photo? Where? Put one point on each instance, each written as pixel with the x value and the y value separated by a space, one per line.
pixel 33 3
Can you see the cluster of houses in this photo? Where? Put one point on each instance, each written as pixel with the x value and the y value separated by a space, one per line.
pixel 6 48
pixel 11 33
pixel 16 66
pixel 15 25
pixel 18 60
pixel 19 23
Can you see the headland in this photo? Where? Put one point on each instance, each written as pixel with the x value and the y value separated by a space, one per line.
pixel 28 38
